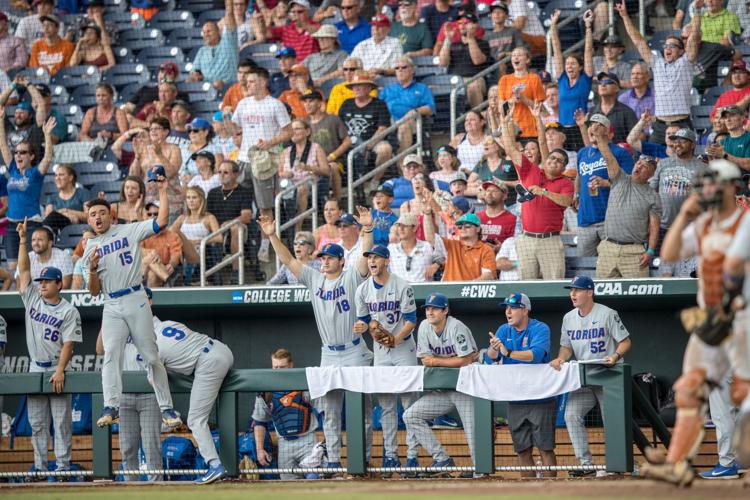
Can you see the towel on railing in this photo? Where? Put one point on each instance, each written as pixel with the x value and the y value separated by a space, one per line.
pixel 365 379
pixel 517 382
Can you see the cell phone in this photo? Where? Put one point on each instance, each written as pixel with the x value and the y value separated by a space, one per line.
pixel 506 108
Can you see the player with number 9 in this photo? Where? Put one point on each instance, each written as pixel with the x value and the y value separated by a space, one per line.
pixel 113 260
pixel 591 331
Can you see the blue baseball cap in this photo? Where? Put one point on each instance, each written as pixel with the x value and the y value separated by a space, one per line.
pixel 516 301
pixel 155 171
pixel 286 52
pixel 461 203
pixel 50 274
pixel 25 106
pixel 436 300
pixel 149 293
pixel 199 124
pixel 333 250
pixel 380 251
pixel 581 282
pixel 346 220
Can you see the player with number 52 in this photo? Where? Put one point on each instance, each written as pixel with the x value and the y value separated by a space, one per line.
pixel 592 332
pixel 113 260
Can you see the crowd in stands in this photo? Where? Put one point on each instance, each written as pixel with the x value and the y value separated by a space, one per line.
pixel 582 158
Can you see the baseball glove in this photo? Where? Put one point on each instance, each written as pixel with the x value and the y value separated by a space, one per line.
pixel 712 325
pixel 381 335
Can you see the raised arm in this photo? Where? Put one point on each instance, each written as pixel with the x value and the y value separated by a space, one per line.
pixel 540 130
pixel 24 265
pixel 602 140
pixel 268 226
pixel 49 146
pixel 230 24
pixel 588 51
pixel 634 136
pixel 640 43
pixel 163 218
pixel 364 219
pixel 558 65
pixel 694 39
pixel 4 148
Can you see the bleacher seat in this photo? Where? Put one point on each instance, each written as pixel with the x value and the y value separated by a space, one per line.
pixel 580 266
pixel 153 57
pixel 197 6
pixel 111 190
pixel 425 60
pixel 712 94
pixel 125 20
pixel 70 236
pixel 441 88
pixel 186 39
pixel 75 76
pixel 59 95
pixel 259 50
pixel 424 71
pixel 35 75
pixel 127 92
pixel 73 113
pixel 197 91
pixel 167 21
pixel 631 56
pixel 140 39
pixel 328 85
pixel 85 96
pixel 204 109
pixel 210 15
pixel 270 63
pixel 570 33
pixel 89 180
pixel 123 55
pixel 115 5
pixel 165 5
pixel 657 39
pixel 699 117
pixel 125 74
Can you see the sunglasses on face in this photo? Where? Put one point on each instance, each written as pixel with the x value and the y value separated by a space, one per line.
pixel 397 68
pixel 300 243
pixel 464 226
pixel 351 69
pixel 348 7
pixel 153 214
pixel 557 159
pixel 606 82
pixel 671 46
pixel 22 152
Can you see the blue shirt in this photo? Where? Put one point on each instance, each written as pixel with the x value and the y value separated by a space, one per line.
pixel 349 38
pixel 381 226
pixel 219 62
pixel 572 98
pixel 592 209
pixel 277 84
pixel 402 191
pixel 24 192
pixel 400 100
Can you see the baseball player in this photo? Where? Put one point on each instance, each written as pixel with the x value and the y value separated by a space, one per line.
pixel 113 260
pixel 187 352
pixel 332 294
pixel 705 227
pixel 385 306
pixel 140 418
pixel 293 418
pixel 442 341
pixel 590 331
pixel 53 325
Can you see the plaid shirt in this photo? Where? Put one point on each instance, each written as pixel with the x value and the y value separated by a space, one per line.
pixel 13 53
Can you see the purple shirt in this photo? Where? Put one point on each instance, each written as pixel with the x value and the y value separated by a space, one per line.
pixel 639 104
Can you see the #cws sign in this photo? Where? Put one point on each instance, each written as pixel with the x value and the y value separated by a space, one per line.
pixel 608 288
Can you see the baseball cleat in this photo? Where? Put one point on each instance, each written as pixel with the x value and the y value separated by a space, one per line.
pixel 721 472
pixel 581 473
pixel 332 465
pixel 213 474
pixel 680 474
pixel 448 462
pixel 411 462
pixel 171 418
pixel 109 416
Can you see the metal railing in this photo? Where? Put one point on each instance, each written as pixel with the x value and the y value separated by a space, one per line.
pixel 457 84
pixel 313 181
pixel 239 254
pixel 352 184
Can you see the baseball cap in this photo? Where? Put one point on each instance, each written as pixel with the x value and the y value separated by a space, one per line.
pixel 447 149
pixel 739 65
pixel 199 124
pixel 149 292
pixel 385 189
pixel 495 182
pixel 613 40
pixel 469 219
pixel 731 110
pixel 286 52
pixel 463 17
pixel 436 300
pixel 311 94
pixel 301 3
pixel 407 219
pixel 689 135
pixel 50 274
pixel 380 20
pixel 517 301
pixel 497 4
pixel 181 104
pixel 333 250
pixel 205 154
pixel 413 158
pixel 326 31
pixel 581 282
pixel 346 220
pixel 150 204
pixel 51 18
pixel 600 119
pixel 169 67
pixel 608 76
pixel 545 76
pixel 361 77
pixel 380 251
pixel 461 203
pixel 457 177
pixel 25 106
pixel 299 70
pixel 155 171
pixel 96 3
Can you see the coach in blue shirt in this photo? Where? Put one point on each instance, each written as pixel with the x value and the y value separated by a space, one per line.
pixel 407 96
pixel 592 183
pixel 354 28
pixel 523 340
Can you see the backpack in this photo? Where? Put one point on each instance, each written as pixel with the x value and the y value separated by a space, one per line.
pixel 654 391
pixel 178 453
pixel 81 409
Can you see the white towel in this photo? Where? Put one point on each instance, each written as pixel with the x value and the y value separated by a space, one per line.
pixel 517 382
pixel 364 379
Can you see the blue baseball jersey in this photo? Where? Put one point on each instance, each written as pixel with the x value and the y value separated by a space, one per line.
pixel 535 338
pixel 592 209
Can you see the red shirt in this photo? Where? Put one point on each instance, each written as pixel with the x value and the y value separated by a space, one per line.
pixel 729 98
pixel 542 215
pixel 457 34
pixel 497 228
pixel 301 41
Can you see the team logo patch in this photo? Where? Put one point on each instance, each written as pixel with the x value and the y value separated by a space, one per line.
pixel 524 342
pixel 460 338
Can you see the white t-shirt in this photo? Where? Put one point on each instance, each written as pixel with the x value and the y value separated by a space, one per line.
pixel 382 55
pixel 206 185
pixel 259 119
pixel 508 250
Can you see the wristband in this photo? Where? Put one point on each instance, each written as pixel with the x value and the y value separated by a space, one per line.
pixel 366 231
pixel 510 351
pixel 515 264
pixel 14 86
pixel 619 356
pixel 651 251
pixel 332 157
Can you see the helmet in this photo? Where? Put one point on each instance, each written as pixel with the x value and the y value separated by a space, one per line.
pixel 725 171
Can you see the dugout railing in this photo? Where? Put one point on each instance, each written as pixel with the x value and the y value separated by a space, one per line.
pixel 615 382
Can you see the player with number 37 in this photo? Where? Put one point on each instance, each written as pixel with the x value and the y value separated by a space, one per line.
pixel 113 260
pixel 591 331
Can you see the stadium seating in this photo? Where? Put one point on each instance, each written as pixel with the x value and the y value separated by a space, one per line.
pixel 699 116
pixel 204 109
pixel 153 57
pixel 75 76
pixel 139 39
pixel 186 39
pixel 197 6
pixel 125 74
pixel 84 96
pixel 125 20
pixel 210 15
pixel 197 91
pixel 168 21
pixel 111 190
pixel 70 236
pixel 73 113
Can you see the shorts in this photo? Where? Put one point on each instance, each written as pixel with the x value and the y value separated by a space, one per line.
pixel 532 424
pixel 263 190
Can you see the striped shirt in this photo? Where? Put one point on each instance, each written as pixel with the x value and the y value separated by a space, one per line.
pixel 13 53
pixel 301 41
pixel 672 84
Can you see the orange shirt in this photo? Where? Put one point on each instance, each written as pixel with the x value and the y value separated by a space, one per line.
pixel 466 263
pixel 233 97
pixel 166 243
pixel 534 91
pixel 292 99
pixel 51 57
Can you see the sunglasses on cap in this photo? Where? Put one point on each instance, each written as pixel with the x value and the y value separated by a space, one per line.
pixel 647 158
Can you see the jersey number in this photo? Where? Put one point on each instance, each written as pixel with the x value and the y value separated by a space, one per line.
pixel 342 306
pixel 126 258
pixel 597 347
pixel 170 332
pixel 51 335
pixel 393 317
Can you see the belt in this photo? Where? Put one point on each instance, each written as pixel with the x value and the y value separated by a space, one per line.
pixel 344 347
pixel 124 292
pixel 542 235
pixel 621 243
pixel 208 346
pixel 674 120
pixel 45 364
pixel 290 438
